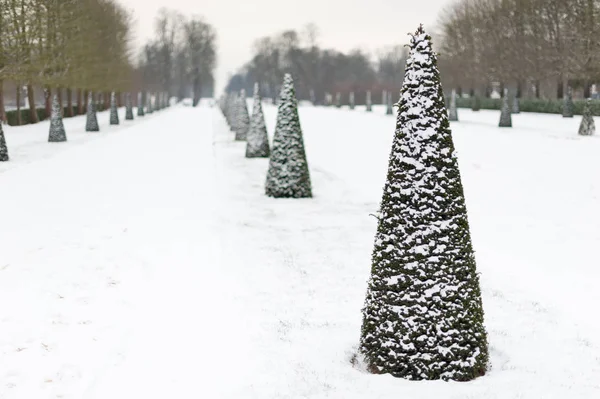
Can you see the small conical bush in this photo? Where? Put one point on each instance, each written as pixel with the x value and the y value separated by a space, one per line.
pixel 140 104
pixel 568 106
pixel 3 147
pixel 476 103
pixel 368 102
pixel 288 175
pixel 242 124
pixel 505 114
pixel 587 126
pixel 453 112
pixel 258 140
pixel 351 100
pixel 516 105
pixel 114 111
pixel 91 123
pixel 57 132
pixel 390 106
pixel 128 107
pixel 338 100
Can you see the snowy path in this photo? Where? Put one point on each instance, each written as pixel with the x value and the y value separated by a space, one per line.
pixel 116 239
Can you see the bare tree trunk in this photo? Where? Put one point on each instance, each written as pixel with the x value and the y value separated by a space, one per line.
pixel 69 103
pixel 2 110
pixel 47 100
pixel 586 89
pixel 106 100
pixel 18 95
pixel 33 117
pixel 119 100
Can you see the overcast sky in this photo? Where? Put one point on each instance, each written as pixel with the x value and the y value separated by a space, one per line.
pixel 343 24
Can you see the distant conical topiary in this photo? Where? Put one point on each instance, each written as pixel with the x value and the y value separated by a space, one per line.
pixel 242 123
pixel 384 98
pixel 505 114
pixel 423 315
pixel 57 129
pixel 338 100
pixel 3 147
pixel 114 111
pixel 149 107
pixel 476 103
pixel 453 112
pixel 351 100
pixel 91 123
pixel 313 98
pixel 587 127
pixel 568 106
pixel 368 102
pixel 128 107
pixel 140 105
pixel 232 105
pixel 516 106
pixel 288 175
pixel 390 106
pixel 258 140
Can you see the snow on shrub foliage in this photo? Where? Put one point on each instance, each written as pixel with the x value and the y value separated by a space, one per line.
pixel 57 129
pixel 91 123
pixel 242 118
pixel 423 315
pixel 3 148
pixel 288 174
pixel 258 140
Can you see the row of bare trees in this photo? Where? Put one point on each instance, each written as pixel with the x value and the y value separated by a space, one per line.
pixel 318 71
pixel 71 46
pixel 522 44
pixel 181 58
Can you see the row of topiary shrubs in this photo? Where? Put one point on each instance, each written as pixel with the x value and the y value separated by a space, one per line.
pixel 532 105
pixel 11 116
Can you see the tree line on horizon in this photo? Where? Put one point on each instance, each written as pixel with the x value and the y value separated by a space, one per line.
pixel 75 47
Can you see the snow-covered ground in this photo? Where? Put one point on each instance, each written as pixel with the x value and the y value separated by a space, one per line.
pixel 145 261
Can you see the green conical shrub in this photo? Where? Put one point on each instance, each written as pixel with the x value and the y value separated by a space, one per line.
pixel 368 102
pixel 568 104
pixel 390 105
pixel 140 105
pixel 149 106
pixel 288 175
pixel 423 314
pixel 516 108
pixel 114 111
pixel 453 113
pixel 476 103
pixel 242 122
pixel 128 107
pixel 587 126
pixel 351 100
pixel 91 123
pixel 57 132
pixel 258 140
pixel 3 147
pixel 338 100
pixel 505 114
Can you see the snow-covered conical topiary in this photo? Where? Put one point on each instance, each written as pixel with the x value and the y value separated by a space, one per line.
pixel 288 175
pixel 587 127
pixel 505 114
pixel 114 111
pixel 57 132
pixel 149 107
pixel 3 148
pixel 140 105
pixel 516 105
pixel 338 100
pixel 568 104
pixel 368 102
pixel 258 140
pixel 128 107
pixel 476 103
pixel 423 315
pixel 351 100
pixel 91 123
pixel 390 105
pixel 242 123
pixel 453 112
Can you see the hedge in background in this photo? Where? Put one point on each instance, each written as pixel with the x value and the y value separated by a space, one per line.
pixel 11 116
pixel 533 105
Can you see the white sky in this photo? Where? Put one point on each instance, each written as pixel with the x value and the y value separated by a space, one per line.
pixel 343 24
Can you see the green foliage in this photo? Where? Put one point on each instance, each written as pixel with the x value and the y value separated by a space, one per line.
pixel 532 105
